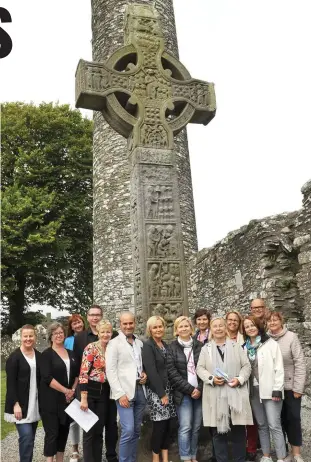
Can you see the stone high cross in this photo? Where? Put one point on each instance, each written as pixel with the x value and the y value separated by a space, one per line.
pixel 148 96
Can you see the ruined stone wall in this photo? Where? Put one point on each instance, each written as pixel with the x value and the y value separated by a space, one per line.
pixel 113 272
pixel 269 258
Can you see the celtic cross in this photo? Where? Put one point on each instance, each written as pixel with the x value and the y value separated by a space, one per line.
pixel 144 92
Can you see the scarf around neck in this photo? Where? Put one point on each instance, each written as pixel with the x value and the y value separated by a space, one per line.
pixel 185 344
pixel 277 336
pixel 252 348
pixel 228 399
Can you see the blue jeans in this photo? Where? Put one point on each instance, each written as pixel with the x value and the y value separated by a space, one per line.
pixel 190 420
pixel 26 440
pixel 130 420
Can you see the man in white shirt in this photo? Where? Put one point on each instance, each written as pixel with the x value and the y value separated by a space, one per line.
pixel 127 380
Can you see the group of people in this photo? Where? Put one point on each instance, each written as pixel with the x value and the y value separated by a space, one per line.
pixel 243 377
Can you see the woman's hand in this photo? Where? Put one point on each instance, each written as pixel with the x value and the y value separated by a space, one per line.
pixel 69 395
pixel 234 383
pixel 218 381
pixel 276 398
pixel 297 395
pixel 196 394
pixel 143 378
pixel 17 410
pixel 84 404
pixel 164 400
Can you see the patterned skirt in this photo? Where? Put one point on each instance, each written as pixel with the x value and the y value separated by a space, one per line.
pixel 157 410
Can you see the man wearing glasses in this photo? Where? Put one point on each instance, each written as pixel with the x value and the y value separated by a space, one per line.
pixel 259 309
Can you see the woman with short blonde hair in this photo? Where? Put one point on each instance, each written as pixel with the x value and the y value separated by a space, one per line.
pixel 187 387
pixel 152 321
pixel 159 392
pixel 178 321
pixel 95 391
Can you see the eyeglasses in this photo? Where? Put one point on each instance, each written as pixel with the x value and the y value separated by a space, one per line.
pixel 58 334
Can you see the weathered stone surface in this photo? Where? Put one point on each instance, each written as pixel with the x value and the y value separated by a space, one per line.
pixel 113 272
pixel 268 258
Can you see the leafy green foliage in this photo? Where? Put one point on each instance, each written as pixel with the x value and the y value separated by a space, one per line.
pixel 46 208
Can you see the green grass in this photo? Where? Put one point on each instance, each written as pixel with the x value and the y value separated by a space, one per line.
pixel 5 426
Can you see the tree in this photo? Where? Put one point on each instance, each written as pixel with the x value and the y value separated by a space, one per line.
pixel 46 208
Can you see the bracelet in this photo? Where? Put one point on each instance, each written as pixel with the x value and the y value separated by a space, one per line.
pixel 83 393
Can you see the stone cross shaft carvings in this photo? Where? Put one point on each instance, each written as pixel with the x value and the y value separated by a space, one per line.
pixel 148 96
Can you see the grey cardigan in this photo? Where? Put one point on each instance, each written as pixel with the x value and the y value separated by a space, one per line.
pixel 294 361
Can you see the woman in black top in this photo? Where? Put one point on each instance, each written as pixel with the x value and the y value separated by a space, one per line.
pixel 159 394
pixel 187 386
pixel 59 378
pixel 21 403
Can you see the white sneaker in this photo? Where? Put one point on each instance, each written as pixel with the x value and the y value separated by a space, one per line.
pixel 266 459
pixel 298 459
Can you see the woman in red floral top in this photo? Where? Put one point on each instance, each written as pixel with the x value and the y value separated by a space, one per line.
pixel 95 391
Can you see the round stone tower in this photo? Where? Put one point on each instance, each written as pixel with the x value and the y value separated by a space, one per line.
pixel 113 267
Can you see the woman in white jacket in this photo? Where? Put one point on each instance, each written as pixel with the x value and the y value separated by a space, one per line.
pixel 266 386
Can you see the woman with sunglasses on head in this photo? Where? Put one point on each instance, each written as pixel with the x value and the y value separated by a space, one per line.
pixel 59 378
pixel 21 403
pixel 266 386
pixel 187 387
pixel 234 321
pixel 295 379
pixel 75 325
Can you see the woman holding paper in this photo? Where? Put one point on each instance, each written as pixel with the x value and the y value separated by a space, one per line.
pixel 59 378
pixel 95 391
pixel 224 369
pixel 187 387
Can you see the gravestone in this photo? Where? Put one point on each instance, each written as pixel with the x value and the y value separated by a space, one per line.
pixel 148 96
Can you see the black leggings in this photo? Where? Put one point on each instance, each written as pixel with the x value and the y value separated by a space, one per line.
pixel 160 435
pixel 56 433
pixel 290 418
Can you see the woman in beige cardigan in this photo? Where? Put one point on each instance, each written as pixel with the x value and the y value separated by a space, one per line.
pixel 295 378
pixel 224 369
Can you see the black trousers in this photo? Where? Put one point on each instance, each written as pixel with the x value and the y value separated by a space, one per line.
pixel 160 437
pixel 238 440
pixel 56 433
pixel 105 409
pixel 290 418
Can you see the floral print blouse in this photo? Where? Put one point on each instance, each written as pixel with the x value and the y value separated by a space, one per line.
pixel 92 366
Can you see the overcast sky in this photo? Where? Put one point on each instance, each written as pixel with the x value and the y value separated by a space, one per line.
pixel 253 158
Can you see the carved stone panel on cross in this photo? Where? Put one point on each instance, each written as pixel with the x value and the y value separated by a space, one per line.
pixel 144 93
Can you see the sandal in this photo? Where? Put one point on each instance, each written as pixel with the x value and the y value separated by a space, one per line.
pixel 73 458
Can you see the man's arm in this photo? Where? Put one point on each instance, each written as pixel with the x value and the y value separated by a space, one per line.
pixel 112 370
